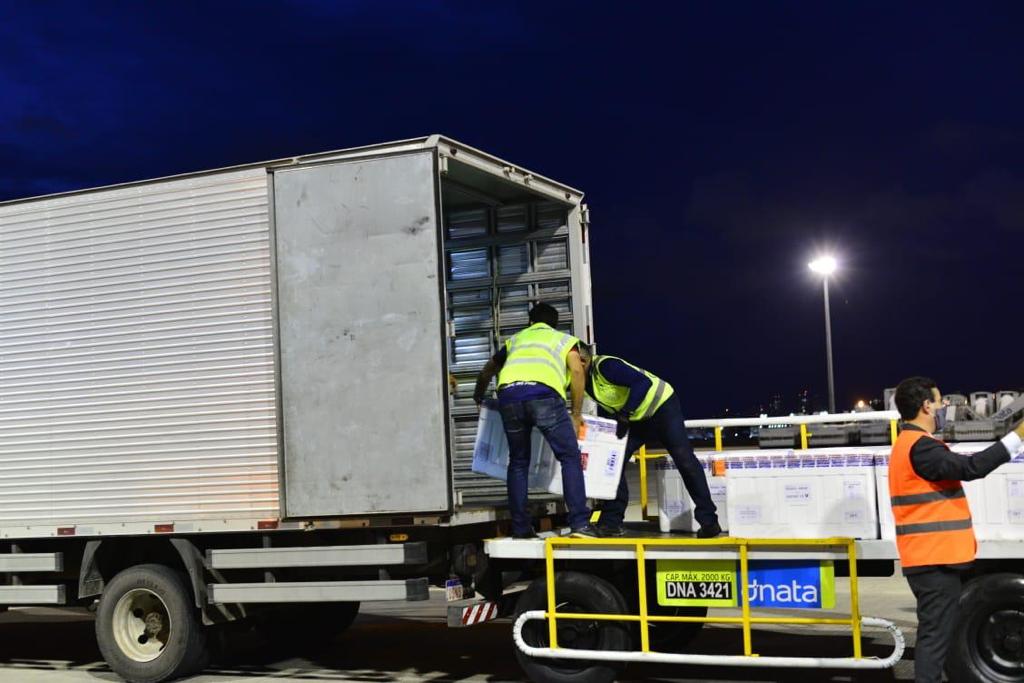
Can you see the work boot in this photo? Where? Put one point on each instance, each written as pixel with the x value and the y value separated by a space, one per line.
pixel 588 531
pixel 709 530
pixel 526 534
pixel 611 531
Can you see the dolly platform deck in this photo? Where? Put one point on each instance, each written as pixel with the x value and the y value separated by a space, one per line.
pixel 869 549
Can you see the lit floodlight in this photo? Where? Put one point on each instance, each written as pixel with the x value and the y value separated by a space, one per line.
pixel 826 265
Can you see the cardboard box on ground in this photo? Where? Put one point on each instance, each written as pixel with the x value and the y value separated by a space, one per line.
pixel 603 455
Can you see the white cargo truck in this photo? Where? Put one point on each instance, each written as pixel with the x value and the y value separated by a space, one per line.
pixel 243 396
pixel 228 395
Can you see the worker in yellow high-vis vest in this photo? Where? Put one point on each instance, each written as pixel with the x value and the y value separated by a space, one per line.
pixel 534 368
pixel 646 409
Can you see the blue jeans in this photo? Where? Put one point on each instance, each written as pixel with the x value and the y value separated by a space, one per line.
pixel 551 417
pixel 665 426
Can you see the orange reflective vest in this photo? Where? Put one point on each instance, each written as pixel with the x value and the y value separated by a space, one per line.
pixel 933 521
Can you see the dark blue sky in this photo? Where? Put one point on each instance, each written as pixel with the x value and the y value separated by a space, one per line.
pixel 720 145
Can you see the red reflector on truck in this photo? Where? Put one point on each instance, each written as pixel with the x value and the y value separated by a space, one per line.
pixel 66 531
pixel 163 528
pixel 268 524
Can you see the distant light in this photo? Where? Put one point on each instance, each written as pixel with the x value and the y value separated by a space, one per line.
pixel 825 265
pixel 860 404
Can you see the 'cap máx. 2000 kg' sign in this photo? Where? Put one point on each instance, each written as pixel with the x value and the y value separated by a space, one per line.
pixel 771 583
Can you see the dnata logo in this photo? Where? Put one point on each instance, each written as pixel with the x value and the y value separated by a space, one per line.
pixel 787 583
pixel 793 594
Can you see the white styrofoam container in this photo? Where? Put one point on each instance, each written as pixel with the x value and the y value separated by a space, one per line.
pixel 603 455
pixel 675 506
pixel 602 467
pixel 490 450
pixel 802 494
pixel 996 502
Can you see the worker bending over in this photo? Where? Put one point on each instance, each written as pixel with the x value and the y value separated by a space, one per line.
pixel 934 533
pixel 534 367
pixel 646 408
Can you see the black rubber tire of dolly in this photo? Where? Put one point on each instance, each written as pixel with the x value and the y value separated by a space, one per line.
pixel 665 636
pixel 186 652
pixel 991 615
pixel 582 593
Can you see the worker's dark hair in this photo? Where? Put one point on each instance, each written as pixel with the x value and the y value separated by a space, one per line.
pixel 586 350
pixel 544 313
pixel 911 394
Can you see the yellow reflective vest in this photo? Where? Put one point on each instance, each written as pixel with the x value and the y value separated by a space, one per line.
pixel 612 397
pixel 538 354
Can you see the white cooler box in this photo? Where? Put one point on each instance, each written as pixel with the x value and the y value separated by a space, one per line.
pixel 675 507
pixel 802 494
pixel 997 501
pixel 602 455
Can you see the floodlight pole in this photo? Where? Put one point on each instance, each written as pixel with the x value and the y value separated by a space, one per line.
pixel 828 351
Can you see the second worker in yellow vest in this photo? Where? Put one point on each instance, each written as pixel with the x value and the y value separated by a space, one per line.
pixel 647 410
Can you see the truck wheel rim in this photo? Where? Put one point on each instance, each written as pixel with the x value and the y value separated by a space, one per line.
pixel 142 625
pixel 1001 642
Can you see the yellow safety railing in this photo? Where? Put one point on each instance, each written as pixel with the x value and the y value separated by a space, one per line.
pixel 643 457
pixel 743 545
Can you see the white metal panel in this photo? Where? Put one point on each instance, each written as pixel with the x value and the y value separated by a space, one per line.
pixel 361 338
pixel 380 554
pixel 136 355
pixel 31 562
pixel 32 595
pixel 318 591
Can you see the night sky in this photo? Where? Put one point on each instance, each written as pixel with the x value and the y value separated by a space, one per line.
pixel 721 146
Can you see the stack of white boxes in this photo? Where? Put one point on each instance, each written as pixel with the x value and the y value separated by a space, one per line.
pixel 817 493
pixel 603 455
pixel 997 501
pixel 675 506
pixel 826 492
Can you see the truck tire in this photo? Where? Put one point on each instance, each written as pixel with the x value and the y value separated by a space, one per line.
pixel 148 627
pixel 664 636
pixel 576 592
pixel 305 627
pixel 989 643
pixel 674 636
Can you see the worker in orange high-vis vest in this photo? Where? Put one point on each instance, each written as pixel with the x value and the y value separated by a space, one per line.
pixel 934 534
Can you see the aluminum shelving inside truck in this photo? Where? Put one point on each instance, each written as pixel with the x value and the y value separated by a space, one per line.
pixel 195 368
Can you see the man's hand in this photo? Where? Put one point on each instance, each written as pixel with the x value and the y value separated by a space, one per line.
pixel 577 423
pixel 621 427
pixel 483 382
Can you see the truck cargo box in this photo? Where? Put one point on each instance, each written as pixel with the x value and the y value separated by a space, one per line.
pixel 269 342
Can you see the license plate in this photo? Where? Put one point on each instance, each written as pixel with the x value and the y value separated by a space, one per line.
pixel 710 583
pixel 702 590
